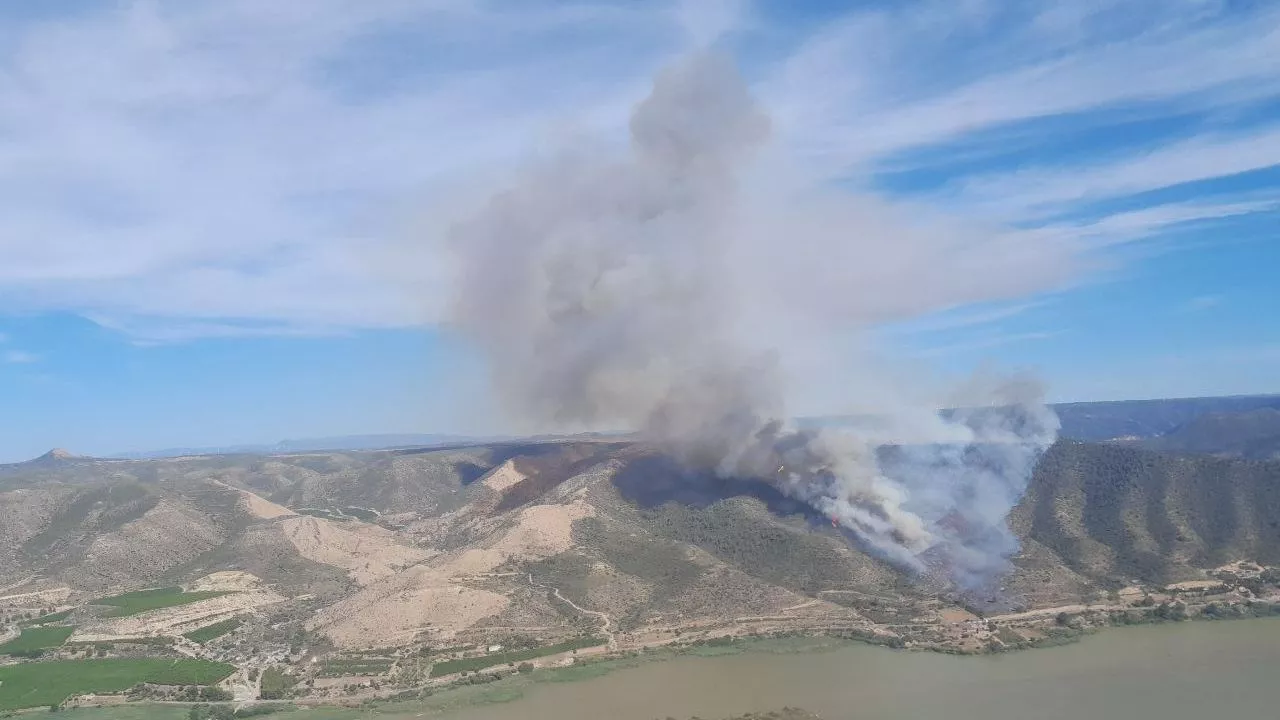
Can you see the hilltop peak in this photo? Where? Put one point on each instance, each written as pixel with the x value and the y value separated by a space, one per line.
pixel 56 454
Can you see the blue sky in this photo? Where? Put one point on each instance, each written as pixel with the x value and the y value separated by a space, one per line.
pixel 207 206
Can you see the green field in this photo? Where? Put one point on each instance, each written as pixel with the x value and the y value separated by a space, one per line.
pixel 216 630
pixel 274 684
pixel 48 683
pixel 51 617
pixel 502 658
pixel 355 666
pixel 36 638
pixel 142 601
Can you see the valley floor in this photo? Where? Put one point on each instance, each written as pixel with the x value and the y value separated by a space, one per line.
pixel 352 681
pixel 351 578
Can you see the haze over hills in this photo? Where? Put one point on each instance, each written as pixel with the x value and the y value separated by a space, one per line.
pixel 742 217
pixel 1250 434
pixel 610 523
pixel 576 542
pixel 1108 420
pixel 338 442
pixel 1149 418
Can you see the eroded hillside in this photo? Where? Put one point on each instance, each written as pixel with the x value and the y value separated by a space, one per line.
pixel 590 544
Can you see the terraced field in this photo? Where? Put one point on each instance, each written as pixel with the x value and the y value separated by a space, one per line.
pixel 214 631
pixel 36 638
pixel 141 601
pixel 449 667
pixel 41 684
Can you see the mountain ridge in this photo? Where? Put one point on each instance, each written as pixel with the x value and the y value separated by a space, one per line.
pixel 1091 421
pixel 394 554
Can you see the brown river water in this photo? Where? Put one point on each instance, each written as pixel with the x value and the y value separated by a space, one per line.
pixel 1226 669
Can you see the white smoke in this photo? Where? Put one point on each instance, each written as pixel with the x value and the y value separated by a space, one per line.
pixel 627 290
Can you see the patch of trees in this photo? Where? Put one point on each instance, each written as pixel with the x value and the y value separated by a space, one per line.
pixel 226 712
pixel 793 558
pixel 1170 611
pixel 183 693
pixel 1130 499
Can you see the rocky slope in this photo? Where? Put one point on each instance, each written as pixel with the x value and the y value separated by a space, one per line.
pixel 1253 435
pixel 475 545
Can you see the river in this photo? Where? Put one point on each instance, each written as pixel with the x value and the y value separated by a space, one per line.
pixel 1159 672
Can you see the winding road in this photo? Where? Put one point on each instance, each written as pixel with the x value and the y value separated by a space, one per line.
pixel 606 624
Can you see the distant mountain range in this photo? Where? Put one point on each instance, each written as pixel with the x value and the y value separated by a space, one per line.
pixel 338 442
pixel 1142 419
pixel 414 548
pixel 1191 425
pixel 1238 425
pixel 1253 435
pixel 345 443
pixel 455 543
pixel 1129 420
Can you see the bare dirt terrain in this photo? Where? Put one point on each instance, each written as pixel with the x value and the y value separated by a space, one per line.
pixel 363 569
pixel 503 477
pixel 263 508
pixel 368 553
pixel 417 601
pixel 245 595
pixel 440 597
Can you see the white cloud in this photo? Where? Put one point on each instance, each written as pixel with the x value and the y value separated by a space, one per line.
pixel 1122 227
pixel 180 169
pixel 20 357
pixel 984 342
pixel 1047 190
pixel 1201 303
pixel 930 72
pixel 228 160
pixel 706 21
pixel 962 318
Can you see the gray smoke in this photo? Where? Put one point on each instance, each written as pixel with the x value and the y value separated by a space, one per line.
pixel 605 292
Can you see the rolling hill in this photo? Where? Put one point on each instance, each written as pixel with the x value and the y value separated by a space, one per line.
pixel 1111 514
pixel 608 523
pixel 359 558
pixel 1141 419
pixel 1251 434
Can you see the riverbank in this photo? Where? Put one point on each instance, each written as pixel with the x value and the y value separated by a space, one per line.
pixel 1175 670
pixel 1170 668
pixel 505 685
pixel 497 676
pixel 512 687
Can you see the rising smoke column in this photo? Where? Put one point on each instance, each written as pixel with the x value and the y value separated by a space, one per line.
pixel 601 290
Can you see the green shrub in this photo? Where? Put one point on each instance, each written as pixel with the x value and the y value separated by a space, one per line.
pixel 463 665
pixel 140 601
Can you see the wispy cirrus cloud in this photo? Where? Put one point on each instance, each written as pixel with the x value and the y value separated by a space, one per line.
pixel 19 357
pixel 1049 190
pixel 963 318
pixel 983 342
pixel 229 160
pixel 1201 303
pixel 187 169
pixel 924 74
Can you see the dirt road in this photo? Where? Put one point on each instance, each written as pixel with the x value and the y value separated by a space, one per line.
pixel 606 625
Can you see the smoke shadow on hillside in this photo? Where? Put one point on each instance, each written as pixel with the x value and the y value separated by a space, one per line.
pixel 469 472
pixel 533 456
pixel 651 481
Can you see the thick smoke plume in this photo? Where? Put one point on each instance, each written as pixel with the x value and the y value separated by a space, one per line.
pixel 605 292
